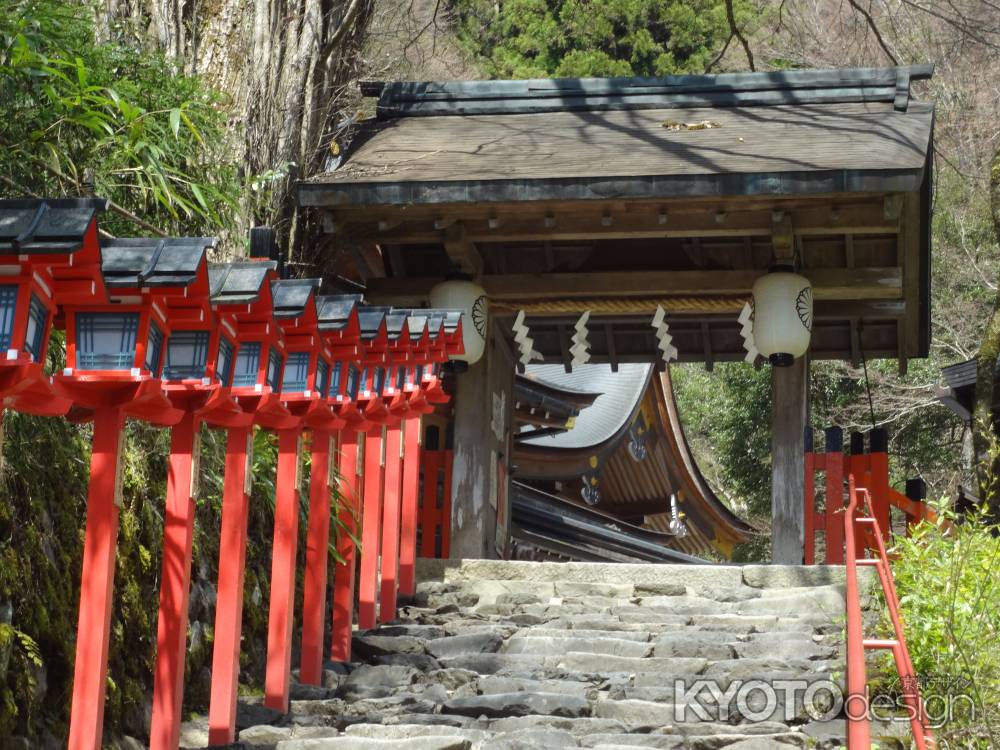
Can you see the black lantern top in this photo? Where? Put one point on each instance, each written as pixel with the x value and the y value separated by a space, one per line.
pixel 153 262
pixel 58 226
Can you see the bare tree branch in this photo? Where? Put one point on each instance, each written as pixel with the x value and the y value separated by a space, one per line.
pixel 722 52
pixel 731 15
pixel 875 30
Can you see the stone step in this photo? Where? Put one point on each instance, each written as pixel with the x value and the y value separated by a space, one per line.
pixel 547 631
pixel 605 646
pixel 635 574
pixel 434 742
pixel 539 656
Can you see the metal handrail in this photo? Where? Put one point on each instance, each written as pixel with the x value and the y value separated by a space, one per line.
pixel 858 729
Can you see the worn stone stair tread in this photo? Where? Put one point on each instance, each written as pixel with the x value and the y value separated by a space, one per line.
pixel 547 631
pixel 540 656
pixel 604 646
pixel 344 742
pixel 520 703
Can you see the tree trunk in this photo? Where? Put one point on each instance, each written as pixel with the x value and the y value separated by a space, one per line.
pixel 283 63
pixel 984 436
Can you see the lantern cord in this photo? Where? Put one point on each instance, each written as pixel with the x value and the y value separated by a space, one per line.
pixel 864 364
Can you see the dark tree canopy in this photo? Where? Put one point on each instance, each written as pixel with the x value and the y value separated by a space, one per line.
pixel 578 38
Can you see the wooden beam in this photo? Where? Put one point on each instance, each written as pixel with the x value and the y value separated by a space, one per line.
pixel 583 221
pixel 563 332
pixel 461 251
pixel 908 255
pixel 669 207
pixel 904 359
pixel 828 284
pixel 782 237
pixel 706 340
pixel 748 261
pixel 855 344
pixel 648 506
pixel 893 206
pixel 609 336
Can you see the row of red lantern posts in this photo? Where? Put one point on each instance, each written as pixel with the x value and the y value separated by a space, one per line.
pixel 155 332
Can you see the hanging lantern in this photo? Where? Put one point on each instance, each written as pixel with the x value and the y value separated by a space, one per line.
pixel 782 315
pixel 459 293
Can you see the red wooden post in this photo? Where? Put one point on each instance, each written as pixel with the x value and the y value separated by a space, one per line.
pixel 859 465
pixel 98 578
pixel 834 496
pixel 343 583
pixel 370 522
pixel 391 509
pixel 317 554
pixel 411 489
pixel 449 461
pixel 282 604
pixel 431 462
pixel 175 584
pixel 809 535
pixel 879 485
pixel 229 599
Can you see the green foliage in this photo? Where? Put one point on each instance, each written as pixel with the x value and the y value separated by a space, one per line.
pixel 950 597
pixel 156 141
pixel 578 38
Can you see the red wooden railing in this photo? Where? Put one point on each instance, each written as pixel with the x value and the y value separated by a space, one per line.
pixel 870 465
pixel 856 703
pixel 435 492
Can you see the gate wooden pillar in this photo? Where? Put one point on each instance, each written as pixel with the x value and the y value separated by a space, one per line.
pixel 789 409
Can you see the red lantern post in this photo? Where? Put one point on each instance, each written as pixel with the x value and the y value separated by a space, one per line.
pixel 196 372
pixel 423 393
pixel 303 386
pixel 403 347
pixel 114 354
pixel 374 334
pixel 345 391
pixel 243 289
pixel 341 334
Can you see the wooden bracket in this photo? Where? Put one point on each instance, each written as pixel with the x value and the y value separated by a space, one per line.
pixel 782 237
pixel 893 206
pixel 462 251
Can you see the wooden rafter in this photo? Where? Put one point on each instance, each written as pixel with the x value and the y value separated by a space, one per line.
pixel 828 284
pixel 583 221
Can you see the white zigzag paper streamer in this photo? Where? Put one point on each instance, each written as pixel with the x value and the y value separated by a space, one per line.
pixel 581 347
pixel 525 344
pixel 746 331
pixel 664 340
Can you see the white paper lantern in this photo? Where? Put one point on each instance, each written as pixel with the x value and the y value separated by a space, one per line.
pixel 782 316
pixel 470 298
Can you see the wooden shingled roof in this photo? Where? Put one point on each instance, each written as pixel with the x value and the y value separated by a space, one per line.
pixel 743 134
pixel 616 196
pixel 635 485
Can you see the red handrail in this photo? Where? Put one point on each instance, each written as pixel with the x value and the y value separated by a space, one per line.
pixel 856 702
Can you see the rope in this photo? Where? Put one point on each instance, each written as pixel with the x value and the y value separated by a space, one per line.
pixel 621 305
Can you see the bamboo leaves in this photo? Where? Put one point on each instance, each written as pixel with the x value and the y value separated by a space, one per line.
pixel 156 141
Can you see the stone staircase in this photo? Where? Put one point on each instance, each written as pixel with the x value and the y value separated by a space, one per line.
pixel 535 656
